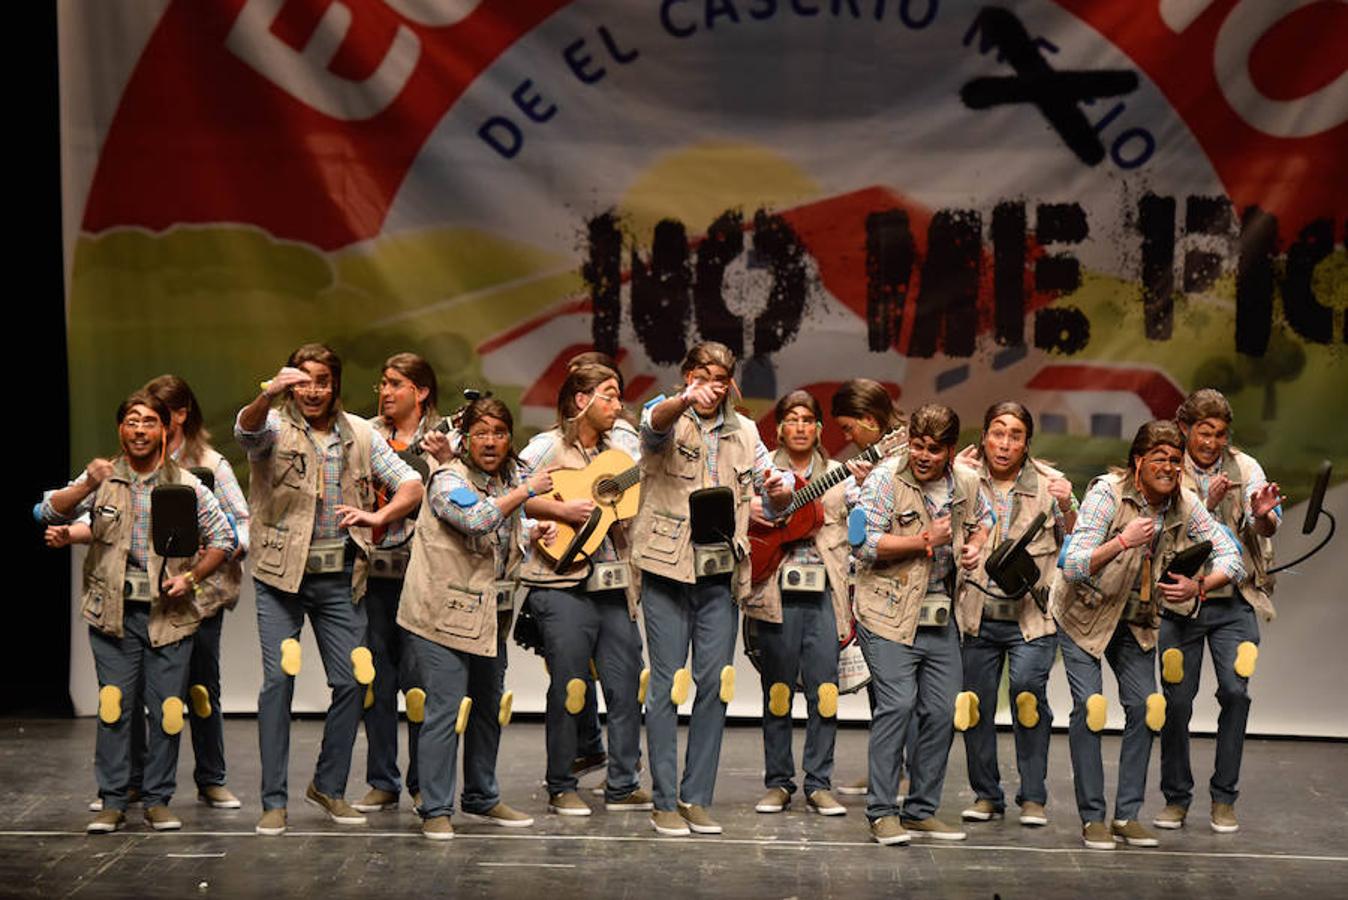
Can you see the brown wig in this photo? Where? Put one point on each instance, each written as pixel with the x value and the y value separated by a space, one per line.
pixel 862 397
pixel 582 379
pixel 807 400
pixel 1205 403
pixel 935 421
pixel 415 369
pixel 323 355
pixel 475 412
pixel 177 395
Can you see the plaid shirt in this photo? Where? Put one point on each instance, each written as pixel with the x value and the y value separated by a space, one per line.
pixel 388 470
pixel 1097 514
pixel 483 517
pixel 1203 478
pixel 230 496
pixel 802 552
pixel 214 527
pixel 877 502
pixel 399 531
pixel 538 453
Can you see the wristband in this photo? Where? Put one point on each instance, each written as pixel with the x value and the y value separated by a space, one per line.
pixel 530 488
pixel 926 540
pixel 1202 590
pixel 1122 542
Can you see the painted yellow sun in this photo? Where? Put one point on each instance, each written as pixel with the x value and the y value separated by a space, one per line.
pixel 696 184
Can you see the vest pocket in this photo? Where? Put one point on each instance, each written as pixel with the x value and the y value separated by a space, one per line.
pixel 271 553
pixel 183 613
pixel 744 480
pixel 879 598
pixel 683 461
pixel 666 538
pixel 95 595
pixel 1077 613
pixel 460 613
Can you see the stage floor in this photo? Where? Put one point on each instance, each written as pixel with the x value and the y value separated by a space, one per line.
pixel 1293 840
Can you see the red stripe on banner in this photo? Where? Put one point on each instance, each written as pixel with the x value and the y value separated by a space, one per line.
pixel 195 117
pixel 565 308
pixel 1161 395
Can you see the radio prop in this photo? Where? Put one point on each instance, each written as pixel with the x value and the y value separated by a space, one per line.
pixel 711 513
pixel 1188 563
pixel 1313 510
pixel 205 475
pixel 1014 570
pixel 173 523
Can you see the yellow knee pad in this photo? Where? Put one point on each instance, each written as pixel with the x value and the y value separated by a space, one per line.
pixel 416 705
pixel 575 696
pixel 290 657
pixel 779 699
pixel 966 710
pixel 727 684
pixel 175 715
pixel 828 700
pixel 1027 709
pixel 201 701
pixel 643 683
pixel 678 689
pixel 369 696
pixel 362 665
pixel 507 707
pixel 109 704
pixel 1172 666
pixel 1096 707
pixel 1155 712
pixel 1246 655
pixel 465 708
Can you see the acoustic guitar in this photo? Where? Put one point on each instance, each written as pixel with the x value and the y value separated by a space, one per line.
pixel 805 514
pixel 612 481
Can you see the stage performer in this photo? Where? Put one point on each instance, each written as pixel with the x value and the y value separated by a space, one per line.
pixel 694 439
pixel 803 613
pixel 588 612
pixel 1015 632
pixel 1235 490
pixel 457 605
pixel 314 470
pixel 141 618
pixel 920 520
pixel 1131 524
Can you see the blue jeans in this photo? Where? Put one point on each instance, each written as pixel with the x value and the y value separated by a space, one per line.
pixel 1030 662
pixel 1224 624
pixel 339 626
pixel 579 627
pixel 395 670
pixel 1135 670
pixel 922 681
pixel 677 615
pixel 208 734
pixel 127 663
pixel 804 643
pixel 449 676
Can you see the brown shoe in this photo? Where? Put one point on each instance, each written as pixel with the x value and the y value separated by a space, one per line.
pixel 337 809
pixel 636 801
pixel 217 796
pixel 854 789
pixel 774 801
pixel 160 819
pixel 824 803
pixel 1133 833
pixel 1096 836
pixel 132 798
pixel 437 828
pixel 933 827
pixel 568 803
pixel 1223 820
pixel 504 816
pixel 670 823
pixel 1171 818
pixel 699 822
pixel 272 823
pixel 888 830
pixel 584 765
pixel 1033 814
pixel 982 811
pixel 106 822
pixel 376 800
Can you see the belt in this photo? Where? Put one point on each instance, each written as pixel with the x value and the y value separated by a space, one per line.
pixel 935 611
pixel 326 556
pixel 389 563
pixel 810 578
pixel 608 576
pixel 1001 610
pixel 136 587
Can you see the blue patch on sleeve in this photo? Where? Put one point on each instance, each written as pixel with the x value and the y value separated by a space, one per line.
pixel 651 403
pixel 1062 554
pixel 37 512
pixel 856 527
pixel 463 497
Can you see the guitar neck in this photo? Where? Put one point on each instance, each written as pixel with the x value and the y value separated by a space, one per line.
pixel 818 487
pixel 628 477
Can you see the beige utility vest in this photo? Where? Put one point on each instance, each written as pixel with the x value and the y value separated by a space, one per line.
pixel 1256 551
pixel 764 602
pixel 283 493
pixel 1029 497
pixel 221 590
pixel 661 533
pixel 889 594
pixel 537 570
pixel 1089 611
pixel 110 521
pixel 448 592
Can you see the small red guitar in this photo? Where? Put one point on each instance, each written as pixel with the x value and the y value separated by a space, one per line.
pixel 804 516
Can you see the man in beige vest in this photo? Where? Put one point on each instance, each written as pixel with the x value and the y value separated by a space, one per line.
pixel 1132 522
pixel 141 619
pixel 921 521
pixel 1238 494
pixel 693 440
pixel 314 471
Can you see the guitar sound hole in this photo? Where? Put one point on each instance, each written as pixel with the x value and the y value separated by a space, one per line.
pixel 605 490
